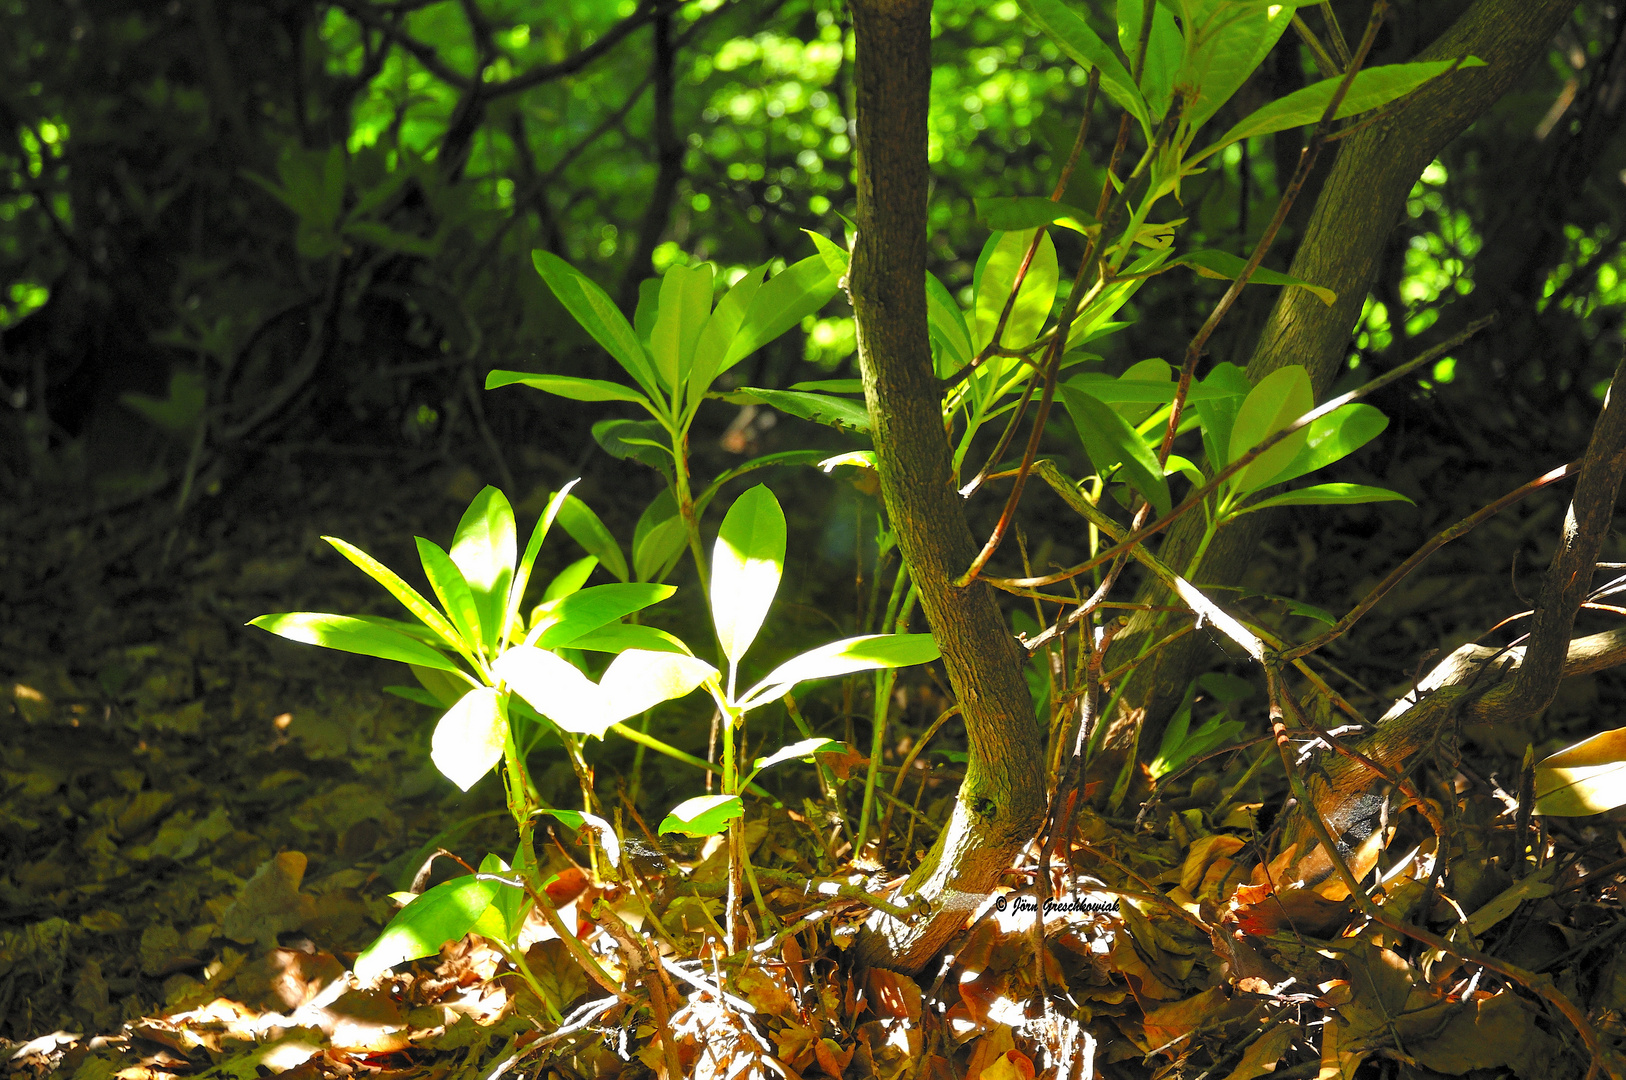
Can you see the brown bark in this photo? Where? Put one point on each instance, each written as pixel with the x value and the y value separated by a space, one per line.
pixel 1362 200
pixel 1001 800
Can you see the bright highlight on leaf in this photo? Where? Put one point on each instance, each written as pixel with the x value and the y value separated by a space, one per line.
pixel 1586 778
pixel 469 739
pixel 635 681
pixel 745 567
pixel 842 658
pixel 704 815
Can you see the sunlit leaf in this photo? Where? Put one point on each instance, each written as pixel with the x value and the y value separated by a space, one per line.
pixel 533 547
pixel 1586 778
pixel 1371 88
pixel 1018 212
pixel 704 815
pixel 567 386
pixel 567 618
pixel 639 679
pixel 1280 398
pixel 353 635
pixel 804 749
pixel 685 306
pixel 1033 301
pixel 842 658
pixel 598 315
pixel 444 913
pixel 570 579
pixel 484 548
pixel 718 334
pixel 1069 30
pixel 618 637
pixel 1334 437
pixel 556 689
pixel 746 563
pixel 468 740
pixel 455 596
pixel 1330 495
pixel 422 609
pixel 781 303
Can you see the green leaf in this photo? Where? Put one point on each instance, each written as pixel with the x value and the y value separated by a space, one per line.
pixel 719 333
pixel 388 239
pixel 1020 212
pixel 835 256
pixel 533 547
pixel 643 316
pixel 704 815
pixel 444 913
pixel 1588 777
pixel 484 548
pixel 598 316
pixel 1033 301
pixel 1330 495
pixel 469 738
pixel 454 593
pixel 1163 53
pixel 571 579
pixel 783 302
pixel 1370 89
pixel 1334 437
pixel 422 609
pixel 842 658
pixel 446 688
pixel 782 457
pixel 745 567
pixel 1280 398
pixel 838 412
pixel 353 635
pixel 1224 390
pixel 567 386
pixel 1154 373
pixel 1228 53
pixel 502 920
pixel 804 750
pixel 1110 441
pixel 635 681
pixel 947 327
pixel 618 637
pixel 555 688
pixel 1227 267
pixel 685 307
pixel 659 538
pixel 575 819
pixel 415 694
pixel 179 413
pixel 1069 30
pixel 587 530
pixel 564 620
pixel 643 441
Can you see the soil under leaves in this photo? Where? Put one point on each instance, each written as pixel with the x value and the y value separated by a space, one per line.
pixel 202 827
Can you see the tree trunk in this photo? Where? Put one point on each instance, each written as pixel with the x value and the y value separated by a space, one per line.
pixel 1001 801
pixel 1363 199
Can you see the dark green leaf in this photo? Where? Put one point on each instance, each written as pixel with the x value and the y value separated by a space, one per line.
pixel 587 530
pixel 598 315
pixel 821 408
pixel 1228 267
pixel 1069 30
pixel 570 617
pixel 1018 212
pixel 1330 494
pixel 782 302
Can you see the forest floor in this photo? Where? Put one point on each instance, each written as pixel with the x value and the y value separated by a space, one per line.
pixel 201 827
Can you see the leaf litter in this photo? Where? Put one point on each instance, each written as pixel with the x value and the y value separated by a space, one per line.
pixel 202 835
